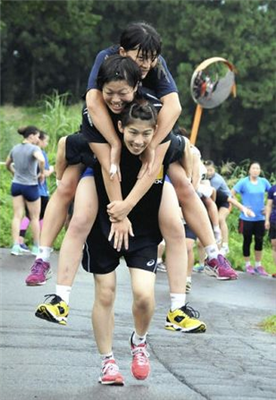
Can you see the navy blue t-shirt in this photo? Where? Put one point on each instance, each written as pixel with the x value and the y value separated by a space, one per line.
pixel 158 80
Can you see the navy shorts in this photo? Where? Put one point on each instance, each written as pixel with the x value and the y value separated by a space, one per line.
pixel 44 202
pixel 189 233
pixel 29 192
pixel 272 230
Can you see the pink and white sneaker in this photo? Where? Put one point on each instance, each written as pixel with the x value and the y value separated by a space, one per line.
pixel 110 374
pixel 261 271
pixel 140 367
pixel 220 268
pixel 250 270
pixel 40 273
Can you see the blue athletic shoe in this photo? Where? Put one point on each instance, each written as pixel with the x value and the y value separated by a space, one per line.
pixel 198 268
pixel 24 248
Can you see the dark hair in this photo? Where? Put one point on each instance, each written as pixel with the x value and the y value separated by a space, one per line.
pixel 141 36
pixel 209 163
pixel 42 135
pixel 254 162
pixel 26 131
pixel 118 68
pixel 139 110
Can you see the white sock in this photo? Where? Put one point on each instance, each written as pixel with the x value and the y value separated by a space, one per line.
pixel 159 260
pixel 189 279
pixel 44 253
pixel 177 300
pixel 137 339
pixel 247 263
pixel 216 228
pixel 257 264
pixel 106 357
pixel 225 245
pixel 212 251
pixel 63 292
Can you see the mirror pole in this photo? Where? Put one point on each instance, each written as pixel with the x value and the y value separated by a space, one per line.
pixel 196 123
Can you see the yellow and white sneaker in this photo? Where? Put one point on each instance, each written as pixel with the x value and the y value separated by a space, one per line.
pixel 185 319
pixel 55 311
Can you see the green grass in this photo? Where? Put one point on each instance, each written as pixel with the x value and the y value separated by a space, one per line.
pixel 269 324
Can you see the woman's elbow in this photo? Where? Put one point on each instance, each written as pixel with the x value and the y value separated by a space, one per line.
pixel 178 110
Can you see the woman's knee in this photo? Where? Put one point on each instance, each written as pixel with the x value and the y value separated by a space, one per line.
pixel 105 295
pixel 66 190
pixel 173 230
pixel 143 300
pixel 80 224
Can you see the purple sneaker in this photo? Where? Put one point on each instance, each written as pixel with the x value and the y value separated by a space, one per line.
pixel 261 271
pixel 250 270
pixel 220 268
pixel 40 272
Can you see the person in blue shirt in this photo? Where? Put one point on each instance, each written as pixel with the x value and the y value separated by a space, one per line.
pixel 252 190
pixel 270 220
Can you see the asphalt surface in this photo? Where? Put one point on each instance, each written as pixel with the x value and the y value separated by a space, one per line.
pixel 233 360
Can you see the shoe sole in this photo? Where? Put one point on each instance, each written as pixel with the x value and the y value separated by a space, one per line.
pixel 112 383
pixel 220 278
pixel 172 327
pixel 43 313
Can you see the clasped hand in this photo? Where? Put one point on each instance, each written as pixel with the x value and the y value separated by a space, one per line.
pixel 120 231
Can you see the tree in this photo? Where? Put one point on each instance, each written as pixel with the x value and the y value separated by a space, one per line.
pixel 46 46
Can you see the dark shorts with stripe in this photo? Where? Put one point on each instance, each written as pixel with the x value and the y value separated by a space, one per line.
pixel 99 257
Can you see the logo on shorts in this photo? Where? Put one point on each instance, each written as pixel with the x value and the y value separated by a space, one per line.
pixel 150 263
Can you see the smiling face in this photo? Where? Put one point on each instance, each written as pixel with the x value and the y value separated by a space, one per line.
pixel 117 94
pixel 145 63
pixel 137 135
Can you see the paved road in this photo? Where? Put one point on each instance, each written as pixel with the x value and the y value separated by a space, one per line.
pixel 233 360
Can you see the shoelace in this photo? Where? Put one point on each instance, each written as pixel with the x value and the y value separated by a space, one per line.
pixel 190 311
pixel 56 299
pixel 36 268
pixel 141 354
pixel 224 262
pixel 111 368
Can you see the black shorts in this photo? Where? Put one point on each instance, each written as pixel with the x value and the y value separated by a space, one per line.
pixel 221 200
pixel 272 230
pixel 103 258
pixel 77 150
